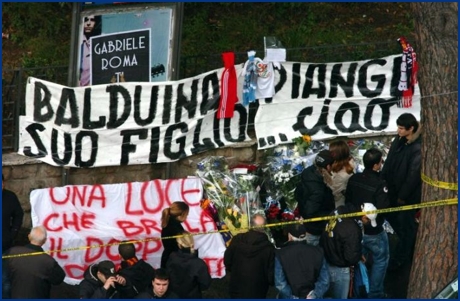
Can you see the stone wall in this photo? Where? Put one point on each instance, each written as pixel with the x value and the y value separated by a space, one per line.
pixel 22 175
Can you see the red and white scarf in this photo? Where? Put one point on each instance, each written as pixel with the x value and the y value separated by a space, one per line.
pixel 408 79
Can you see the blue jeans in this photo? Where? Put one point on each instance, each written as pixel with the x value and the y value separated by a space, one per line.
pixel 339 283
pixel 284 290
pixel 322 283
pixel 378 246
pixel 281 284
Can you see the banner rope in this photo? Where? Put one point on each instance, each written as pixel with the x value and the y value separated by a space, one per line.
pixel 446 202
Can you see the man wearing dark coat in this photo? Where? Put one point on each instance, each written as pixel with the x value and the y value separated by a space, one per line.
pixel 341 243
pixel 401 171
pixel 314 197
pixel 369 187
pixel 32 276
pixel 137 271
pixel 159 288
pixel 100 281
pixel 12 215
pixel 297 265
pixel 249 259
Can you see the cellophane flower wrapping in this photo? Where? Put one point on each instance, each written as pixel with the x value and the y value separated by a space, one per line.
pixel 359 146
pixel 283 168
pixel 231 193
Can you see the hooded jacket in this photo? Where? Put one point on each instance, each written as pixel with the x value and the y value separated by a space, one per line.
pixel 342 245
pixel 314 198
pixel 93 288
pixel 402 169
pixel 189 275
pixel 250 260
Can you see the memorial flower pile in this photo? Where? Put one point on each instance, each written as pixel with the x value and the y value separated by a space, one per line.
pixel 230 195
pixel 283 169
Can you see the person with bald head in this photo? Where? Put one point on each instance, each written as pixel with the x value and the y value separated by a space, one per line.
pixel 250 261
pixel 32 275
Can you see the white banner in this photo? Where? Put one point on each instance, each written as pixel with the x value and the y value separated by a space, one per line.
pixel 93 215
pixel 128 123
pixel 142 123
pixel 333 99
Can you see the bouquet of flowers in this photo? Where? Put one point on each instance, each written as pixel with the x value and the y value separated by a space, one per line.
pixel 284 176
pixel 230 193
pixel 302 144
pixel 283 169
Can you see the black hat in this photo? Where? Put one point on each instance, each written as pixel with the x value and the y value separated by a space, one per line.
pixel 324 158
pixel 107 268
pixel 297 230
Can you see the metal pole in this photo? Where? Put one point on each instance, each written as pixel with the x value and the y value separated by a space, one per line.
pixel 72 74
pixel 179 12
pixel 73 59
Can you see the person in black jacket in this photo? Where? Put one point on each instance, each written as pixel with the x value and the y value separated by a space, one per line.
pixel 32 276
pixel 100 281
pixel 159 288
pixel 171 224
pixel 314 197
pixel 137 271
pixel 12 215
pixel 189 273
pixel 367 187
pixel 341 243
pixel 297 265
pixel 402 171
pixel 250 259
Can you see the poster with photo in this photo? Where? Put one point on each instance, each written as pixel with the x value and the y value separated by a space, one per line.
pixel 121 57
pixel 128 27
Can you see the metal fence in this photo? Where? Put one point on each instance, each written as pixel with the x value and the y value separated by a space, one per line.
pixel 13 98
pixel 14 81
pixel 194 65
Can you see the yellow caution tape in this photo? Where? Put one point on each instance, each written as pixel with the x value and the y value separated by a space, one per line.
pixel 315 219
pixel 439 184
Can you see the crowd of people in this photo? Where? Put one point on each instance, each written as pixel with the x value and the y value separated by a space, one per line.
pixel 316 261
pixel 319 258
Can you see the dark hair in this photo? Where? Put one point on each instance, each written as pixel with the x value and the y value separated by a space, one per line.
pixel 126 250
pixel 175 210
pixel 407 120
pixel 97 25
pixel 161 274
pixel 371 157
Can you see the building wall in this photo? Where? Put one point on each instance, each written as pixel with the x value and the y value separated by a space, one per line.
pixel 22 175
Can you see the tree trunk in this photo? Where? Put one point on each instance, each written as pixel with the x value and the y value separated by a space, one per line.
pixel 435 261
